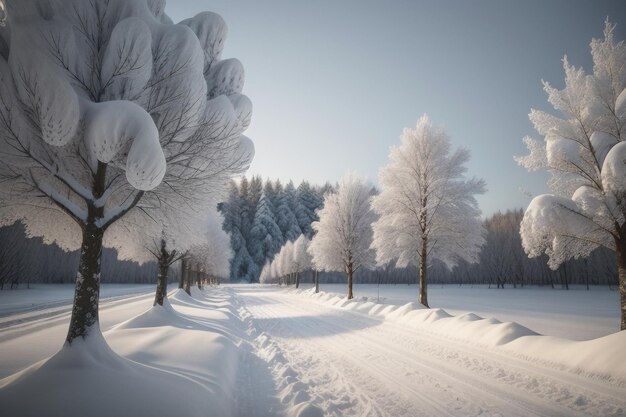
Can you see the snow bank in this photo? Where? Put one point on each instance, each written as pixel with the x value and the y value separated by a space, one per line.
pixel 160 363
pixel 601 357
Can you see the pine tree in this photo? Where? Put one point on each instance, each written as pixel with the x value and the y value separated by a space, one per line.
pixel 307 202
pixel 266 236
pixel 285 213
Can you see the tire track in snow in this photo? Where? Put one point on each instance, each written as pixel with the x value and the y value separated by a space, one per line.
pixel 259 356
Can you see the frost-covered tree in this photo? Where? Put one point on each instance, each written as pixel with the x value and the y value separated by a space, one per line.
pixel 213 256
pixel 584 150
pixel 97 98
pixel 343 234
pixel 285 263
pixel 301 257
pixel 426 205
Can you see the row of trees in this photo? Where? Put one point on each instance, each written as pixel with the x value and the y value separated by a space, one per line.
pixel 502 262
pixel 262 216
pixel 425 210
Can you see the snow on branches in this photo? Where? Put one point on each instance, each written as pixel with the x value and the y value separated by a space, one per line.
pixel 583 150
pixel 115 120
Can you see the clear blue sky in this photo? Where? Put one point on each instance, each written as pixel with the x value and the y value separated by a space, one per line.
pixel 334 82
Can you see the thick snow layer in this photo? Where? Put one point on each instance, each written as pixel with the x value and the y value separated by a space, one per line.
pixel 122 128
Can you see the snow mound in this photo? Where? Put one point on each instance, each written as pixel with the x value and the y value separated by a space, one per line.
pixel 98 382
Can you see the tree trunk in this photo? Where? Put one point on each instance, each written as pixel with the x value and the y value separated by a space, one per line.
pixel 317 282
pixel 350 273
pixel 423 296
pixel 620 250
pixel 161 291
pixel 87 290
pixel 188 279
pixel 183 272
pixel 297 280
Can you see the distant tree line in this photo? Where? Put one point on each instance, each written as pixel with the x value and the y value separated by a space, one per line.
pixel 25 260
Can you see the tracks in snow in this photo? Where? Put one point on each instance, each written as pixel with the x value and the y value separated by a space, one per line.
pixel 355 365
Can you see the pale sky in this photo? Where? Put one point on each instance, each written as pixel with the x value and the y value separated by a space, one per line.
pixel 334 82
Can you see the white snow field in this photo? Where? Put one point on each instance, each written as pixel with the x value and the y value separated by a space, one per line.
pixel 251 351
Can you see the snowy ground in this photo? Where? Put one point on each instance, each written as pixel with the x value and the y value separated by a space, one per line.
pixel 252 351
pixel 576 314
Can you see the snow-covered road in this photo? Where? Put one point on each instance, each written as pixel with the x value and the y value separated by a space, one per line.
pixel 351 364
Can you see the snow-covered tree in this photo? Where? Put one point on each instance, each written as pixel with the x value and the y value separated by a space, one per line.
pixel 584 150
pixel 308 201
pixel 300 257
pixel 426 205
pixel 241 261
pixel 266 237
pixel 97 99
pixel 344 231
pixel 218 252
pixel 285 262
pixel 85 90
pixel 212 258
pixel 285 215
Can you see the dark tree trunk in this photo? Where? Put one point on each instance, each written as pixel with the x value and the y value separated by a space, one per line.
pixel 183 273
pixel 350 273
pixel 188 279
pixel 620 250
pixel 317 282
pixel 164 266
pixel 87 290
pixel 297 280
pixel 423 296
